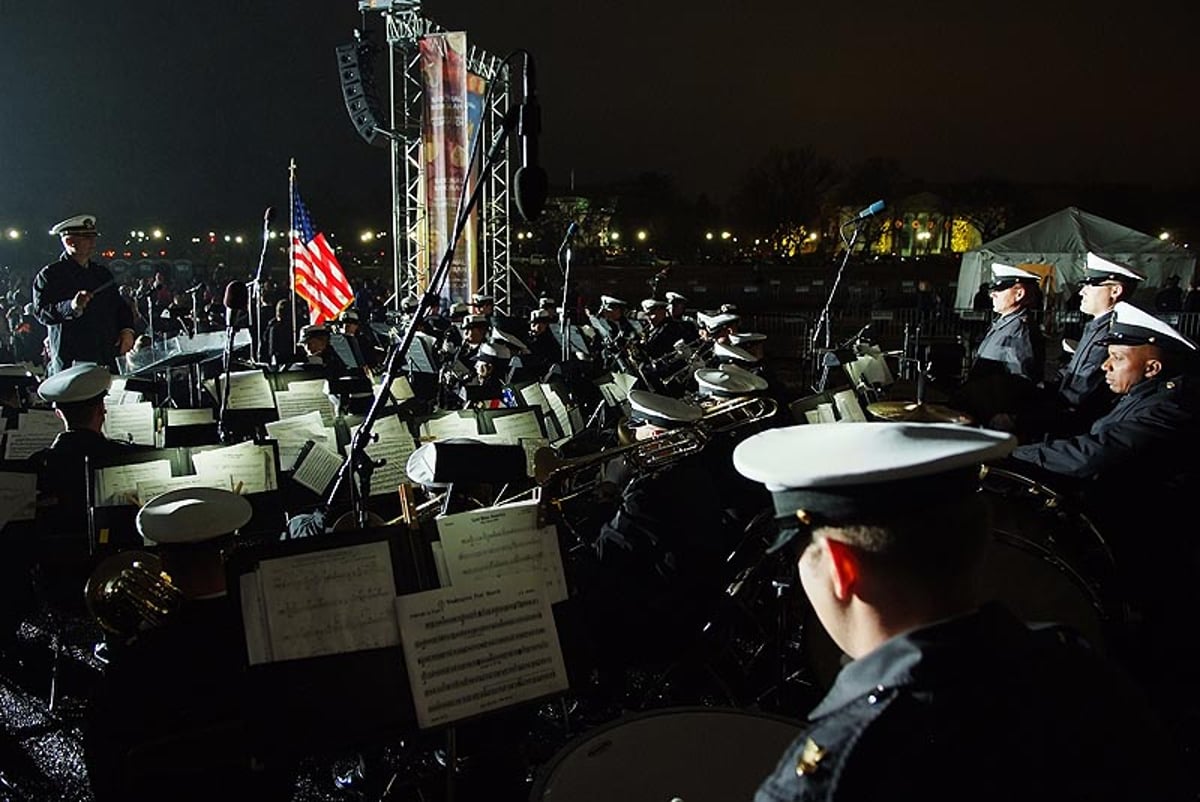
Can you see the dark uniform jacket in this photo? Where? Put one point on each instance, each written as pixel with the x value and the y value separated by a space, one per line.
pixel 1081 384
pixel 1014 345
pixel 1149 429
pixel 661 339
pixel 978 707
pixel 87 336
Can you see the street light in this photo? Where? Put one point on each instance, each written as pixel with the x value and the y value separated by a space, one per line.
pixel 708 235
pixel 614 236
pixel 641 235
pixel 157 233
pixel 726 235
pixel 1166 235
pixel 14 234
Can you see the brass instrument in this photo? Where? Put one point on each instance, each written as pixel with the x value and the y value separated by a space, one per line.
pixel 129 592
pixel 565 479
pixel 732 413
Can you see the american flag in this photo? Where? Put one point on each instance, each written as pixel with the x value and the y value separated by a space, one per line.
pixel 319 279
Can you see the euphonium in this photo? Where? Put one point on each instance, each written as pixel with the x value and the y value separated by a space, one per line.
pixel 129 592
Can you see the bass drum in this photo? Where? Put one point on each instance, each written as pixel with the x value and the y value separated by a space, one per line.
pixel 1047 562
pixel 698 754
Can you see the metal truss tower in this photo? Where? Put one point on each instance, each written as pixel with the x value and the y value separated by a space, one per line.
pixel 405 27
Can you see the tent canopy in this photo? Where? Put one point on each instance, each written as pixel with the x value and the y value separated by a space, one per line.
pixel 1062 240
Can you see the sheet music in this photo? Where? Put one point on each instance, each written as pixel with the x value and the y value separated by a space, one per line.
pixel 401 389
pixel 812 416
pixel 521 425
pixel 501 541
pixel 825 413
pixel 18 495
pixel 248 389
pixel 254 619
pixel 559 409
pixel 449 425
pixel 624 382
pixel 317 469
pixel 848 407
pixel 189 417
pixel 40 420
pixel 329 602
pixel 150 488
pixel 117 484
pixel 133 423
pixel 117 394
pixel 535 397
pixel 394 444
pixel 478 648
pixel 251 466
pixel 292 405
pixel 22 444
pixel 293 433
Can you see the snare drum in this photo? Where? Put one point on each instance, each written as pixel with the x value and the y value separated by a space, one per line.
pixel 697 754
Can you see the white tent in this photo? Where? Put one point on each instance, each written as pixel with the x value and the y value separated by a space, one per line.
pixel 1059 244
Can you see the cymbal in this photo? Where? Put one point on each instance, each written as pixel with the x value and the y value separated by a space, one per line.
pixel 917 413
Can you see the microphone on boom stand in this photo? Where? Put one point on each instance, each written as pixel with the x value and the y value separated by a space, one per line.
pixel 236 299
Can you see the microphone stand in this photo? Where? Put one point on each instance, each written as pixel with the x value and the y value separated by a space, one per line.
pixel 564 262
pixel 223 430
pixel 256 292
pixel 357 460
pixel 823 321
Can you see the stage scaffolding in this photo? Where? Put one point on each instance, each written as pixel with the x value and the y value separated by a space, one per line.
pixel 405 27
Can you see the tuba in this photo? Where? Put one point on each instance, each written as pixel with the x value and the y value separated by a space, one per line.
pixel 129 593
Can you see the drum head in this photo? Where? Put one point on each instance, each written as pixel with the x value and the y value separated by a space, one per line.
pixel 694 754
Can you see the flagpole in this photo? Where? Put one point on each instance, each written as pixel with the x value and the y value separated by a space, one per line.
pixel 292 244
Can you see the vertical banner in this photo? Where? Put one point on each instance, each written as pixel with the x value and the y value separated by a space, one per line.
pixel 445 139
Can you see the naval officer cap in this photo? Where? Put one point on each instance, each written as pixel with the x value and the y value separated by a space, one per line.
pixel 76 385
pixel 314 330
pixel 661 410
pixel 494 353
pixel 840 473
pixel 349 316
pixel 676 298
pixel 1133 326
pixel 192 515
pixel 747 338
pixel 1100 270
pixel 733 353
pixel 610 302
pixel 464 459
pixel 541 315
pixel 475 321
pixel 716 320
pixel 758 382
pixel 511 341
pixel 653 303
pixel 725 383
pixel 1004 276
pixel 80 224
pixel 547 303
pixel 459 310
pixel 481 299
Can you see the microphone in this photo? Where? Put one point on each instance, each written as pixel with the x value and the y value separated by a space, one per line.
pixel 237 299
pixel 148 289
pixel 566 243
pixel 530 180
pixel 872 210
pixel 268 217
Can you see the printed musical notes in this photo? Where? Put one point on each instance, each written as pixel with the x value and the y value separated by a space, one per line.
pixel 479 647
pixel 248 389
pixel 302 397
pixel 130 423
pixel 449 425
pixel 150 488
pixel 316 468
pixel 293 433
pixel 18 493
pixel 252 466
pixel 118 484
pixel 502 541
pixel 21 444
pixel 394 444
pixel 189 417
pixel 322 602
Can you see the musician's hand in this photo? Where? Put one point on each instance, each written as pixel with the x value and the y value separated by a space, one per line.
pixel 125 342
pixel 80 301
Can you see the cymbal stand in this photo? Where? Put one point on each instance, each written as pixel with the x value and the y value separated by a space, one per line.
pixel 823 322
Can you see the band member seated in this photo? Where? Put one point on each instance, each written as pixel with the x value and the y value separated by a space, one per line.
pixel 318 351
pixel 661 553
pixel 361 339
pixel 170 711
pixel 1010 362
pixel 948 696
pixel 664 331
pixel 483 304
pixel 677 308
pixel 1142 449
pixel 544 350
pixel 612 313
pixel 1082 395
pixel 716 327
pixel 549 305
pixel 492 362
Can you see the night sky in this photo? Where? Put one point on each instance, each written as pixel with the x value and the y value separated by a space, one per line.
pixel 186 114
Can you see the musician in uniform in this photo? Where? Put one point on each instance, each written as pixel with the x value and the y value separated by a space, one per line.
pixel 948 696
pixel 361 339
pixel 1009 364
pixel 318 350
pixel 677 308
pixel 77 300
pixel 544 350
pixel 717 327
pixel 549 305
pixel 664 331
pixel 1082 395
pixel 661 554
pixel 483 304
pixel 170 715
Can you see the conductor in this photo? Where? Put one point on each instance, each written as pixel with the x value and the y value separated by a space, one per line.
pixel 77 300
